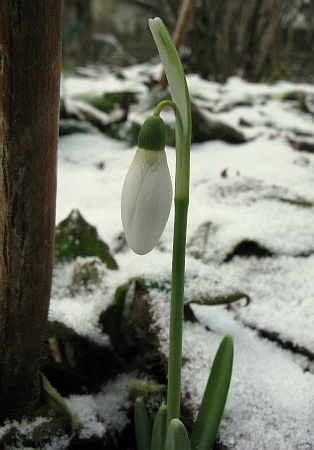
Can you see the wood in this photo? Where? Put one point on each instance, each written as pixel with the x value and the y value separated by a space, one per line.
pixel 30 49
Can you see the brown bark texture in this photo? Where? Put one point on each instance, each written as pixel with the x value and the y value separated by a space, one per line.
pixel 30 49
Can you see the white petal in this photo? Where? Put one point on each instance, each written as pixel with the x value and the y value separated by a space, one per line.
pixel 131 188
pixel 146 200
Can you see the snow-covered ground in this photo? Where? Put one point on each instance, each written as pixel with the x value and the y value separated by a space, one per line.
pixel 260 191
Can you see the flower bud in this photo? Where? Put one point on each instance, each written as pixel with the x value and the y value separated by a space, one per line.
pixel 152 134
pixel 147 191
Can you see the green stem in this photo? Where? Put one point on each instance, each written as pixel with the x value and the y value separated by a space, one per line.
pixel 176 311
pixel 164 104
pixel 181 203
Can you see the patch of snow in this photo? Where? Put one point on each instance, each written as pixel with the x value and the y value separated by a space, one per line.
pixel 282 293
pixel 271 401
pixel 85 408
pixel 25 428
pixel 105 411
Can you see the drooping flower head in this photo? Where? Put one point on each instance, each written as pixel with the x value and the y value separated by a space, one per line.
pixel 147 190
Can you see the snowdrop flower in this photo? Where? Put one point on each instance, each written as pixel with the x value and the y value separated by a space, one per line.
pixel 147 191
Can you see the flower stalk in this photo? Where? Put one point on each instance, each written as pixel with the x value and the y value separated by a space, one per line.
pixel 145 209
pixel 181 98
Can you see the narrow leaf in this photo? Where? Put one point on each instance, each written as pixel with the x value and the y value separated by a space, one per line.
pixel 214 399
pixel 180 95
pixel 177 436
pixel 142 425
pixel 173 67
pixel 57 403
pixel 159 429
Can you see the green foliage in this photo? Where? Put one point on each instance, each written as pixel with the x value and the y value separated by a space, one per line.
pixel 205 430
pixel 177 436
pixel 109 100
pixel 76 237
pixel 159 429
pixel 214 398
pixel 56 402
pixel 145 389
pixel 114 320
pixel 222 300
pixel 294 202
pixel 142 425
pixel 296 96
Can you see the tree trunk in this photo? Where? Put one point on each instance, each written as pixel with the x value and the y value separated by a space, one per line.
pixel 30 48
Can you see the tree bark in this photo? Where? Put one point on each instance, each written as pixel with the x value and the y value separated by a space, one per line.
pixel 30 49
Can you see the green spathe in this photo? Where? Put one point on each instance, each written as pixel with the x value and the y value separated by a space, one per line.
pixel 153 134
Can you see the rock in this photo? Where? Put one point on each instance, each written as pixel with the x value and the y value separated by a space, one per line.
pixel 205 129
pixel 302 145
pixel 69 126
pixel 247 248
pixel 110 100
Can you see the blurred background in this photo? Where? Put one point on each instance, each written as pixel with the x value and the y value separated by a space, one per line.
pixel 259 40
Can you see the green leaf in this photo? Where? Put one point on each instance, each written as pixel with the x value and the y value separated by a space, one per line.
pixel 159 429
pixel 173 68
pixel 76 237
pixel 115 318
pixel 295 202
pixel 213 403
pixel 145 389
pixel 177 436
pixel 109 100
pixel 142 425
pixel 57 403
pixel 180 95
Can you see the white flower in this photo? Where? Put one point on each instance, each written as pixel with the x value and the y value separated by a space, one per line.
pixel 146 199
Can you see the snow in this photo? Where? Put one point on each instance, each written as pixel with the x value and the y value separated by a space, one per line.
pixel 270 404
pixel 271 401
pixel 91 304
pixel 106 410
